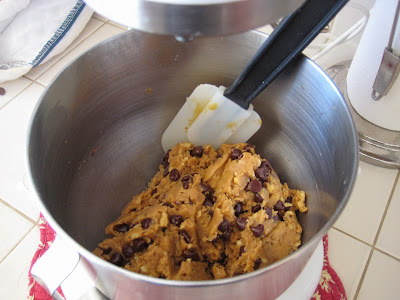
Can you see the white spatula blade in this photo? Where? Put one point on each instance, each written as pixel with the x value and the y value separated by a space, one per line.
pixel 217 122
pixel 195 103
pixel 246 130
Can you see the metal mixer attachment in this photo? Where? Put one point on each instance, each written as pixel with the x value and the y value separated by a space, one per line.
pixel 390 65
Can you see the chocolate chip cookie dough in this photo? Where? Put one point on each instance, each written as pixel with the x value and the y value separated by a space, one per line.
pixel 206 214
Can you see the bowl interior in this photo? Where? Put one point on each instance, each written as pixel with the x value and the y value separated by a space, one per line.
pixel 95 137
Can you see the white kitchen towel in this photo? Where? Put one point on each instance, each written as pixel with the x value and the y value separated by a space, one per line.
pixel 34 31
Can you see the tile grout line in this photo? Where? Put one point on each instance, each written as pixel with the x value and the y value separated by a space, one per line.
pixel 41 84
pixel 377 236
pixel 387 254
pixel 19 93
pixel 18 212
pixel 13 248
pixel 109 22
pixel 366 244
pixel 386 209
pixel 97 18
pixel 352 236
pixel 363 274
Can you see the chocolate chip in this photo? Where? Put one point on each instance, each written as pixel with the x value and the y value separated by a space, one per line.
pixel 197 151
pixel 236 154
pixel 190 253
pixel 268 210
pixel 241 250
pixel 226 235
pixel 187 178
pixel 186 236
pixel 139 245
pixel 167 204
pixel 153 192
pixel 185 185
pixel 176 220
pixel 249 147
pixel 223 260
pixel 165 164
pixel 2 91
pixel 117 259
pixel 238 209
pixel 277 218
pixel 262 173
pixel 210 213
pixel 241 223
pixel 166 171
pixel 146 223
pixel 255 186
pixel 255 208
pixel 289 199
pixel 224 226
pixel 257 230
pixel 204 187
pixel 210 196
pixel 174 175
pixel 121 227
pixel 257 198
pixel 105 251
pixel 128 251
pixel 216 239
pixel 266 164
pixel 279 206
pixel 257 263
pixel 208 203
pixel 166 156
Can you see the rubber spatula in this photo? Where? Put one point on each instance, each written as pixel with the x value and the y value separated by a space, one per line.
pixel 213 115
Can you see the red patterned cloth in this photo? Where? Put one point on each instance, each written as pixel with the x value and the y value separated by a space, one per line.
pixel 47 236
pixel 329 288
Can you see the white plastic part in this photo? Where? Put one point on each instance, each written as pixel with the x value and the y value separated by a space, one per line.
pixel 217 122
pixel 62 266
pixel 247 130
pixel 55 265
pixel 305 284
pixel 209 118
pixel 195 103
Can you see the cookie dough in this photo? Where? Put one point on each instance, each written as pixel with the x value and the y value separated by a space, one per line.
pixel 205 215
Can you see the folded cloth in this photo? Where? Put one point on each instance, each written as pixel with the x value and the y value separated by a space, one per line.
pixel 329 288
pixel 47 236
pixel 33 31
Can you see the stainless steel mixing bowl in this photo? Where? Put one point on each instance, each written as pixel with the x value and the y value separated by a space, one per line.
pixel 95 142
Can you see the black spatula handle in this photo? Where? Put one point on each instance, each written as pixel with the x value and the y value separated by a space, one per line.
pixel 288 40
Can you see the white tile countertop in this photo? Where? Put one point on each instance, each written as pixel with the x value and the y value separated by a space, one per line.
pixel 364 244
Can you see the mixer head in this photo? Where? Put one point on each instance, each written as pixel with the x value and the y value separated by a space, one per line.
pixel 186 19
